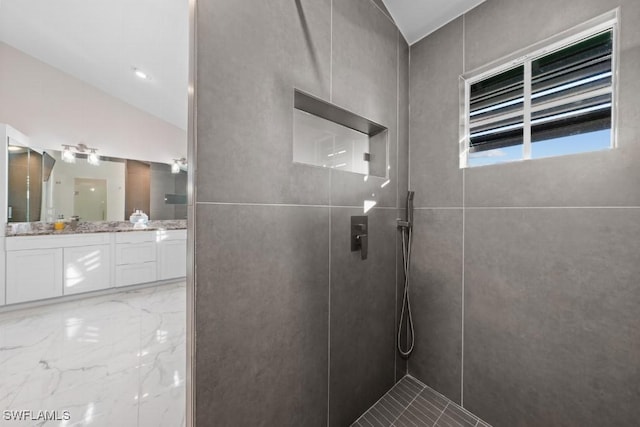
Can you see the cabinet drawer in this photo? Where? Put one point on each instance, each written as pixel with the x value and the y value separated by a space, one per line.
pixel 167 235
pixel 135 273
pixel 135 253
pixel 135 237
pixel 20 243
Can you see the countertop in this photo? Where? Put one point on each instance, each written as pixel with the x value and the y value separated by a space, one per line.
pixel 46 228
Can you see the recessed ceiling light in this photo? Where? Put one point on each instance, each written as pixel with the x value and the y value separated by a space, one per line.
pixel 140 74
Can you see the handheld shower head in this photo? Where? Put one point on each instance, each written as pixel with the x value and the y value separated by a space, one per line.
pixel 410 208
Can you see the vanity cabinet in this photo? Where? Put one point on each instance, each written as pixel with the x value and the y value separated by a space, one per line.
pixel 33 274
pixel 41 267
pixel 172 254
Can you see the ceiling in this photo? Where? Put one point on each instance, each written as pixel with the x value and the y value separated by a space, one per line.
pixel 418 18
pixel 101 42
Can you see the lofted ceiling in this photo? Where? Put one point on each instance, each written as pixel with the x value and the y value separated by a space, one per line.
pixel 418 18
pixel 101 42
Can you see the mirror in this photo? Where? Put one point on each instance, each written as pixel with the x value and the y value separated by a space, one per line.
pixel 43 187
pixel 106 79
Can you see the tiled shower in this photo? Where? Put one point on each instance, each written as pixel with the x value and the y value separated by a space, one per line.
pixel 524 275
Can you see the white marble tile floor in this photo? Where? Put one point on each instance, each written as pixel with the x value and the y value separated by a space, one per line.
pixel 112 360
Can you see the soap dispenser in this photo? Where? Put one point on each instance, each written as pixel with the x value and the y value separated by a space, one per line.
pixel 139 218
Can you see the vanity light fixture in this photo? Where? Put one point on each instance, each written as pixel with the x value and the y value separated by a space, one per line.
pixel 68 155
pixel 178 164
pixel 93 158
pixel 15 148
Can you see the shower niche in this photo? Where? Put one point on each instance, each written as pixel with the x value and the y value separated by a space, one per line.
pixel 328 136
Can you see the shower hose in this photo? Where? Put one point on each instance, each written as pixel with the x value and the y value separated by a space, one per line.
pixel 406 304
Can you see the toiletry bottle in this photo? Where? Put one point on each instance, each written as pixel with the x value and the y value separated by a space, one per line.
pixel 59 224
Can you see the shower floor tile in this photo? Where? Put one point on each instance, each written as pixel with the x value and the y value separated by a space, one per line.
pixel 412 404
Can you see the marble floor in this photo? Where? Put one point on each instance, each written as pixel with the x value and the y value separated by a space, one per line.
pixel 114 360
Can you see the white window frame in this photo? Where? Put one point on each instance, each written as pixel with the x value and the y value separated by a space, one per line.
pixel 524 57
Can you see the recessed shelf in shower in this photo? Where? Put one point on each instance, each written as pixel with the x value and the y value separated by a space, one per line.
pixel 329 136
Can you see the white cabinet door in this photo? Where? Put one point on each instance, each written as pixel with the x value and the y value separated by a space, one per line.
pixel 134 274
pixel 3 281
pixel 86 269
pixel 172 259
pixel 135 253
pixel 33 274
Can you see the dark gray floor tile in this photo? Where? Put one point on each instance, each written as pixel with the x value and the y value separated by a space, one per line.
pixel 425 414
pixel 392 406
pixel 433 398
pixel 382 415
pixel 446 421
pixel 460 416
pixel 401 396
pixel 412 382
pixel 427 408
pixel 262 297
pixel 362 315
pixel 372 419
pixel 249 61
pixel 482 424
pixel 416 417
pixel 436 63
pixel 411 385
pixel 551 321
pixel 436 297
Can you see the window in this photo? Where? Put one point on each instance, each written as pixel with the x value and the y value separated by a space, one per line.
pixel 553 101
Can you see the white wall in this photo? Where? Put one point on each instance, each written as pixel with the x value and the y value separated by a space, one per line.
pixel 54 108
pixel 63 175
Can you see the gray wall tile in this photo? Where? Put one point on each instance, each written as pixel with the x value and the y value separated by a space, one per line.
pixel 551 316
pixel 605 178
pixel 249 61
pixel 362 315
pixel 403 122
pixel 497 28
pixel 383 7
pixel 263 271
pixel 401 362
pixel 365 81
pixel 262 304
pixel 436 297
pixel 436 63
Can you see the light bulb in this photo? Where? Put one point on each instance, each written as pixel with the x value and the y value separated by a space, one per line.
pixel 175 167
pixel 93 158
pixel 67 155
